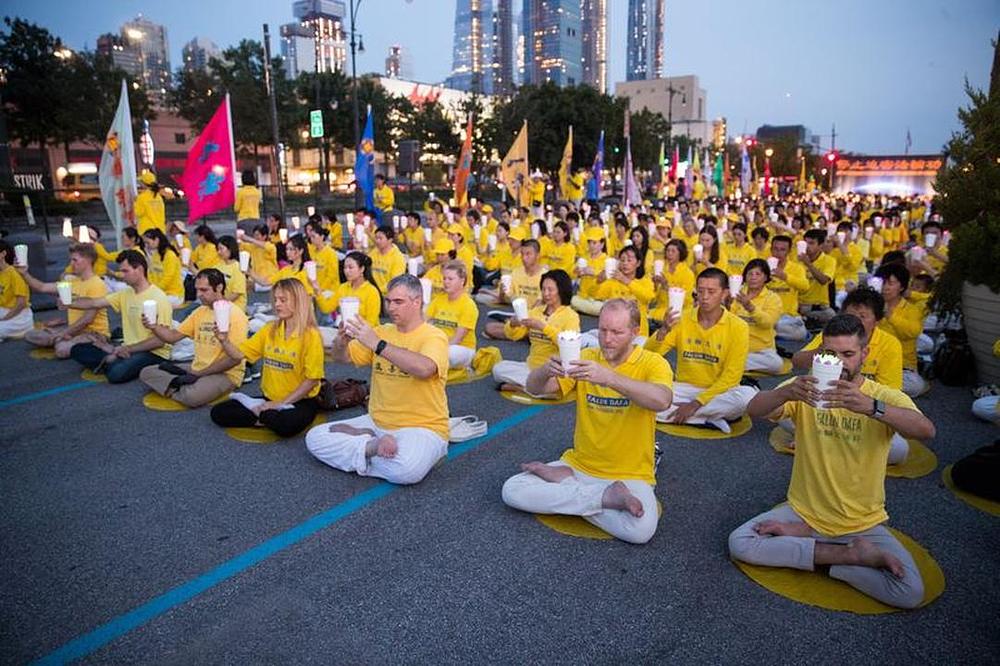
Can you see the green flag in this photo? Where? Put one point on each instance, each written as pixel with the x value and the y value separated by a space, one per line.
pixel 717 176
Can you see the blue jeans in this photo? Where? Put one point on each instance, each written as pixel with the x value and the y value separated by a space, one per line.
pixel 118 371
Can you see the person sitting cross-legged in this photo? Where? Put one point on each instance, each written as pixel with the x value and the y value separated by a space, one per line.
pixel 607 477
pixel 712 346
pixel 835 513
pixel 760 308
pixel 213 373
pixel 405 431
pixel 455 313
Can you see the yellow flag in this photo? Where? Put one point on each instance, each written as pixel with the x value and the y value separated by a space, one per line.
pixel 514 168
pixel 565 166
pixel 801 185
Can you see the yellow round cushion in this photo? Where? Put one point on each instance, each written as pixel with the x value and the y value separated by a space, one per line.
pixel 920 462
pixel 576 526
pixel 91 376
pixel 818 589
pixel 522 398
pixel 458 376
pixel 786 368
pixel 43 353
pixel 159 403
pixel 261 435
pixel 739 427
pixel 981 503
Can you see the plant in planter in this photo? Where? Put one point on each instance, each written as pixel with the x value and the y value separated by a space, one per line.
pixel 968 189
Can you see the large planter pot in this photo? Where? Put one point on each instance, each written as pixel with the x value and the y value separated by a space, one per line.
pixel 981 311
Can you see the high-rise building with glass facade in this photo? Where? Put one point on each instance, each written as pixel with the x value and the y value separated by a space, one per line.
pixel 142 50
pixel 503 48
pixel 472 52
pixel 553 47
pixel 644 57
pixel 315 42
pixel 197 53
pixel 594 33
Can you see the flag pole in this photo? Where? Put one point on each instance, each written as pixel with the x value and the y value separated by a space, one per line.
pixel 276 147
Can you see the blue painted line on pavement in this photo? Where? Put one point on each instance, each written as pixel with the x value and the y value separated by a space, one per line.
pixel 44 394
pixel 92 641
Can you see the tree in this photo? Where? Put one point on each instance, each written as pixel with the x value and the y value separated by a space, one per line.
pixel 438 140
pixel 647 129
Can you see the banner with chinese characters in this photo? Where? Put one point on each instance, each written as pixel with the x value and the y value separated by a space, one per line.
pixel 887 174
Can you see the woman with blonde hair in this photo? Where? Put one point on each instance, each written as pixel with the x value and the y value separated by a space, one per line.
pixel 454 312
pixel 292 353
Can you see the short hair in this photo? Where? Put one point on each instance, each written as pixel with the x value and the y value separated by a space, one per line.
pixel 760 232
pixel 215 277
pixel 846 324
pixel 897 271
pixel 531 243
pixel 387 231
pixel 740 226
pixel 564 284
pixel 249 177
pixel 760 265
pixel 818 235
pixel 894 257
pixel 930 224
pixel 409 282
pixel 717 273
pixel 7 251
pixel 456 266
pixel 133 258
pixel 867 298
pixel 682 248
pixel 926 280
pixel 85 250
pixel 629 306
pixel 781 238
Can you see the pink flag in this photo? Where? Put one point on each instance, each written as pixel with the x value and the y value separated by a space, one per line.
pixel 209 177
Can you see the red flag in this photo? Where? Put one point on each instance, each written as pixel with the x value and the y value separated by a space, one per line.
pixel 209 177
pixel 464 168
pixel 767 177
pixel 672 175
pixel 725 168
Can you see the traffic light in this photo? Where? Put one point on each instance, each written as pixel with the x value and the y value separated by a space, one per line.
pixel 831 157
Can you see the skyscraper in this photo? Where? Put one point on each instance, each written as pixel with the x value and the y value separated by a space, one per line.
pixel 142 50
pixel 594 31
pixel 503 48
pixel 472 58
pixel 394 61
pixel 553 47
pixel 644 59
pixel 198 52
pixel 316 41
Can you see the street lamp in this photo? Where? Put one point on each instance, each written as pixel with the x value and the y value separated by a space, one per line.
pixel 670 113
pixel 767 170
pixel 357 44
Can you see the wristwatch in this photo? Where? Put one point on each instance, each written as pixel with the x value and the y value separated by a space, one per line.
pixel 380 347
pixel 878 409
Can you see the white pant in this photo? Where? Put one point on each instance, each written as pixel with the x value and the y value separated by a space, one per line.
pixel 182 350
pixel 988 409
pixel 460 356
pixel 899 448
pixel 727 406
pixel 590 306
pixel 16 326
pixel 114 285
pixel 419 449
pixel 766 360
pixel 259 321
pixel 925 344
pixel 582 495
pixel 175 300
pixel 511 372
pixel 913 383
pixel 791 328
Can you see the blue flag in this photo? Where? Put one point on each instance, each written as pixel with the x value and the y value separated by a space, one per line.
pixel 364 165
pixel 594 186
pixel 745 176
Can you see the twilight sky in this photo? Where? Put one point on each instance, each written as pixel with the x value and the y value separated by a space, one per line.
pixel 873 67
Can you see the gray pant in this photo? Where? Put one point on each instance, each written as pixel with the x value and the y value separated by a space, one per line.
pixel 202 392
pixel 746 545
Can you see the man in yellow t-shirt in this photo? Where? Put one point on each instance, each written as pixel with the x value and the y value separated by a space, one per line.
pixel 81 326
pixel 608 476
pixel 712 346
pixel 405 431
pixel 139 347
pixel 814 303
pixel 385 198
pixel 213 373
pixel 387 261
pixel 788 281
pixel 835 513
pixel 247 204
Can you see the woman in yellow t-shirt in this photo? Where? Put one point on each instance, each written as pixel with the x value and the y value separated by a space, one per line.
pixel 760 308
pixel 229 265
pixel 164 265
pixel 358 283
pixel 335 230
pixel 292 368
pixel 587 270
pixel 150 212
pixel 205 254
pixel 327 263
pixel 442 251
pixel 630 282
pixel 561 254
pixel 676 275
pixel 544 323
pixel 247 205
pixel 263 257
pixel 712 252
pixel 455 313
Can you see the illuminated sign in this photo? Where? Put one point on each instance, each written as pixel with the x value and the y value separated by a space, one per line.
pixel 886 165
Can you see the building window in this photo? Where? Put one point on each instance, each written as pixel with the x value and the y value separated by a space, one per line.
pixel 180 138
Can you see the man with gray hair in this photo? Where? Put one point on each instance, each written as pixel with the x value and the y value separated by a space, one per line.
pixel 607 478
pixel 405 431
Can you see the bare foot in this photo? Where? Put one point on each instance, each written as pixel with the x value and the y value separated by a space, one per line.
pixel 383 447
pixel 510 388
pixel 551 473
pixel 618 496
pixel 351 430
pixel 778 528
pixel 790 445
pixel 869 555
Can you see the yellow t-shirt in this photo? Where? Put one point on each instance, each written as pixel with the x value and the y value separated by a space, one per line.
pixel 588 283
pixel 236 283
pixel 838 477
pixel 200 327
pixel 385 198
pixel 528 287
pixel 93 287
pixel 366 293
pixel 398 400
pixel 13 286
pixel 543 343
pixel 884 363
pixel 848 265
pixel 387 266
pixel 614 437
pixel 560 256
pixel 336 230
pixel 640 290
pixel 205 256
pixel 681 278
pixel 905 323
pixel 789 290
pixel 413 239
pixel 327 267
pixel 263 260
pixel 129 305
pixel 449 315
pixel 761 322
pixel 150 212
pixel 712 360
pixel 165 273
pixel 247 204
pixel 738 257
pixel 819 294
pixel 287 363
